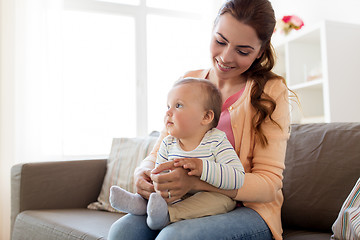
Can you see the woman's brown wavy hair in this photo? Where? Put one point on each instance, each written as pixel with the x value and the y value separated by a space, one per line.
pixel 258 14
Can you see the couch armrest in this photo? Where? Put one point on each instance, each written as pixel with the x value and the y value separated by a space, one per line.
pixel 55 185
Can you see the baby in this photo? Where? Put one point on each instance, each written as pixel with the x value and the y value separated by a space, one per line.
pixel 194 107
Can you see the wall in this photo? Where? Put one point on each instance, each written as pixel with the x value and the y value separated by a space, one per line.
pixel 7 132
pixel 313 11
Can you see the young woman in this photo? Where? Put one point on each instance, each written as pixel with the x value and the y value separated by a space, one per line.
pixel 255 117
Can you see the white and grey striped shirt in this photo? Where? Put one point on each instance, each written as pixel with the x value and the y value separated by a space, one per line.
pixel 221 165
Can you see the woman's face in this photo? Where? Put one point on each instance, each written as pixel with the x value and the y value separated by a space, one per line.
pixel 234 47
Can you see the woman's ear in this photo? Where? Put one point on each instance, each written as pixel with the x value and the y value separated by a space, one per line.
pixel 208 117
pixel 260 54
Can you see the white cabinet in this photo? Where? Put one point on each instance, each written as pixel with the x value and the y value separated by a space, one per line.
pixel 321 64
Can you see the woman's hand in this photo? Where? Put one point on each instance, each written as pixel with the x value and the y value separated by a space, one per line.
pixel 143 180
pixel 177 181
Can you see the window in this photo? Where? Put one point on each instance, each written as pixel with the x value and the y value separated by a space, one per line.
pixel 99 81
pixel 120 58
pixel 179 45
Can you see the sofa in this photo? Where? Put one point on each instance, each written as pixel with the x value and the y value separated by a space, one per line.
pixel 49 199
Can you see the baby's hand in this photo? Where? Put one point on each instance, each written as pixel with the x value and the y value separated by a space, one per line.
pixel 195 165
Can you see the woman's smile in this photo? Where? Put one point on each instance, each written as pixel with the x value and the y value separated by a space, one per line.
pixel 223 67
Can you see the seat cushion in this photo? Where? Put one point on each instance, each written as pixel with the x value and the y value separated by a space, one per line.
pixel 322 165
pixel 63 224
pixel 305 235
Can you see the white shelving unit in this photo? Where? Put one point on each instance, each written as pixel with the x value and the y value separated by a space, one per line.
pixel 321 64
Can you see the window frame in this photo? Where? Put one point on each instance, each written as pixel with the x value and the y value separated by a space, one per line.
pixel 139 13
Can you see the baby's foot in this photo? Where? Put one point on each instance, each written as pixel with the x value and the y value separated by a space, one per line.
pixel 158 214
pixel 128 202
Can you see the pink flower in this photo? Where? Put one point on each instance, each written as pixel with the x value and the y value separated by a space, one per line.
pixel 289 22
pixel 297 22
pixel 286 19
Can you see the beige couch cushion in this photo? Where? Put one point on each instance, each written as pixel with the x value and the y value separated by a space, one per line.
pixel 126 154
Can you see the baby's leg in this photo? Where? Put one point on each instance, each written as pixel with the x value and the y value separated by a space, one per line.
pixel 157 210
pixel 201 204
pixel 128 202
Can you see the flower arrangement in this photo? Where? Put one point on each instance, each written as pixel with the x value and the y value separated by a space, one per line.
pixel 288 23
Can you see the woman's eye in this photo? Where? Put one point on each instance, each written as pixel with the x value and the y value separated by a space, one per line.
pixel 242 53
pixel 178 105
pixel 220 43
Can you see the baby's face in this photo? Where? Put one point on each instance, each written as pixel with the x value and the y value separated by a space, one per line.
pixel 185 110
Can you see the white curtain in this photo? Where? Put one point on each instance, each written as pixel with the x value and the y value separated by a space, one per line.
pixel 30 103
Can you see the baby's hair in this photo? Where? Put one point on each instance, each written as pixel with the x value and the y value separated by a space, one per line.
pixel 213 99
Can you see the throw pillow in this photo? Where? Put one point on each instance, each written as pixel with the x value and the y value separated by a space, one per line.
pixel 126 154
pixel 347 225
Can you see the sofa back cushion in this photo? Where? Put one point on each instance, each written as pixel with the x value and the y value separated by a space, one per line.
pixel 125 155
pixel 322 165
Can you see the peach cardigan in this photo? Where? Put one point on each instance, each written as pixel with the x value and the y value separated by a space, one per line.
pixel 263 165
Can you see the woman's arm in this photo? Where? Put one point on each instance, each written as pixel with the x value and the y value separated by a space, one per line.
pixel 204 186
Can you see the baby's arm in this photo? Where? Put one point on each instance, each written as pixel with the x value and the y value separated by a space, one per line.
pixel 226 172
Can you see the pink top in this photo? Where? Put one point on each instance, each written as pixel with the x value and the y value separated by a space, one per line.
pixel 225 121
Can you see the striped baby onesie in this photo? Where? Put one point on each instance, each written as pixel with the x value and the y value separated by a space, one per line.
pixel 221 166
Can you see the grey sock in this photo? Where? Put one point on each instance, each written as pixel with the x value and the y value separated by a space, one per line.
pixel 158 213
pixel 128 202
